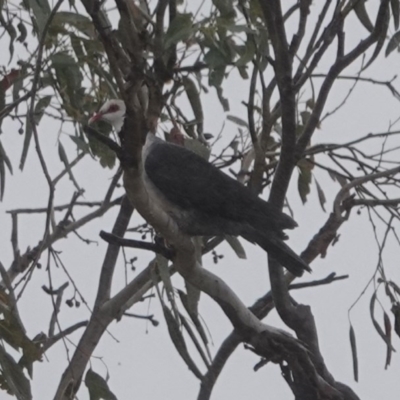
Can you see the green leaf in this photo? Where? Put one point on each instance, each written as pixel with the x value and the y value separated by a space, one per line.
pixel 40 106
pixel 194 317
pixel 77 46
pixel 64 158
pixel 41 12
pixel 237 247
pixel 163 270
pixel 12 33
pixel 98 387
pixel 12 375
pixel 225 7
pixel 248 53
pixel 238 121
pixel 304 180
pixel 381 39
pixel 38 113
pixel 362 15
pixel 80 22
pixel 375 323
pixel 106 156
pixel 69 79
pixel 2 102
pixel 178 340
pixel 180 29
pixel 23 33
pixel 223 100
pixel 27 141
pixel 216 58
pixel 4 160
pixel 395 5
pixel 194 100
pixel 321 195
pixel 394 43
pixel 353 345
pixel 80 143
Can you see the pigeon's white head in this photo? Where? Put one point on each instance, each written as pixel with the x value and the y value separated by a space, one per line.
pixel 113 112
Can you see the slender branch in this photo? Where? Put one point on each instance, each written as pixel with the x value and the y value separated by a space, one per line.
pixel 58 336
pixel 31 117
pixel 57 304
pixel 137 244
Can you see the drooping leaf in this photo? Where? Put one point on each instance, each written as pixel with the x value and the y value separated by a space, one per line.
pixel 40 107
pixel 394 43
pixel 41 12
pixel 388 334
pixel 396 312
pixel 98 387
pixel 215 78
pixel 77 46
pixel 18 84
pixel 23 32
pixel 362 15
pixel 69 79
pixel 80 22
pixel 381 39
pixel 304 179
pixel 216 58
pixel 4 160
pixel 375 323
pixel 353 345
pixel 237 247
pixel 12 33
pixel 194 317
pixel 321 195
pixel 80 143
pixel 338 178
pixel 195 101
pixel 249 52
pixel 238 121
pixel 27 141
pixel 225 7
pixel 163 270
pixel 179 341
pixel 37 116
pixel 64 158
pixel 223 100
pixel 180 29
pixel 12 375
pixel 395 5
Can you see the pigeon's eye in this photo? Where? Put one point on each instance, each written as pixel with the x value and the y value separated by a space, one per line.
pixel 113 108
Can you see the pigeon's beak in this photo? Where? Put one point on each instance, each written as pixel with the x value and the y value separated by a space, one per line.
pixel 96 117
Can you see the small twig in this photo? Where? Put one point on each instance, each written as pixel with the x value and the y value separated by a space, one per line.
pixel 9 107
pixel 55 208
pixel 70 166
pixel 137 244
pixel 57 304
pixel 54 339
pixel 329 279
pixel 150 318
pixel 344 191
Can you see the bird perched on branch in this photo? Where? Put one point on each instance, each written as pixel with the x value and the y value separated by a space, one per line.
pixel 203 200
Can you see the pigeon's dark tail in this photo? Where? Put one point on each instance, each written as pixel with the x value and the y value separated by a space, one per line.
pixel 279 250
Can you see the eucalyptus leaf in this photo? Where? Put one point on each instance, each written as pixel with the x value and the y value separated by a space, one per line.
pixel 98 387
pixel 180 29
